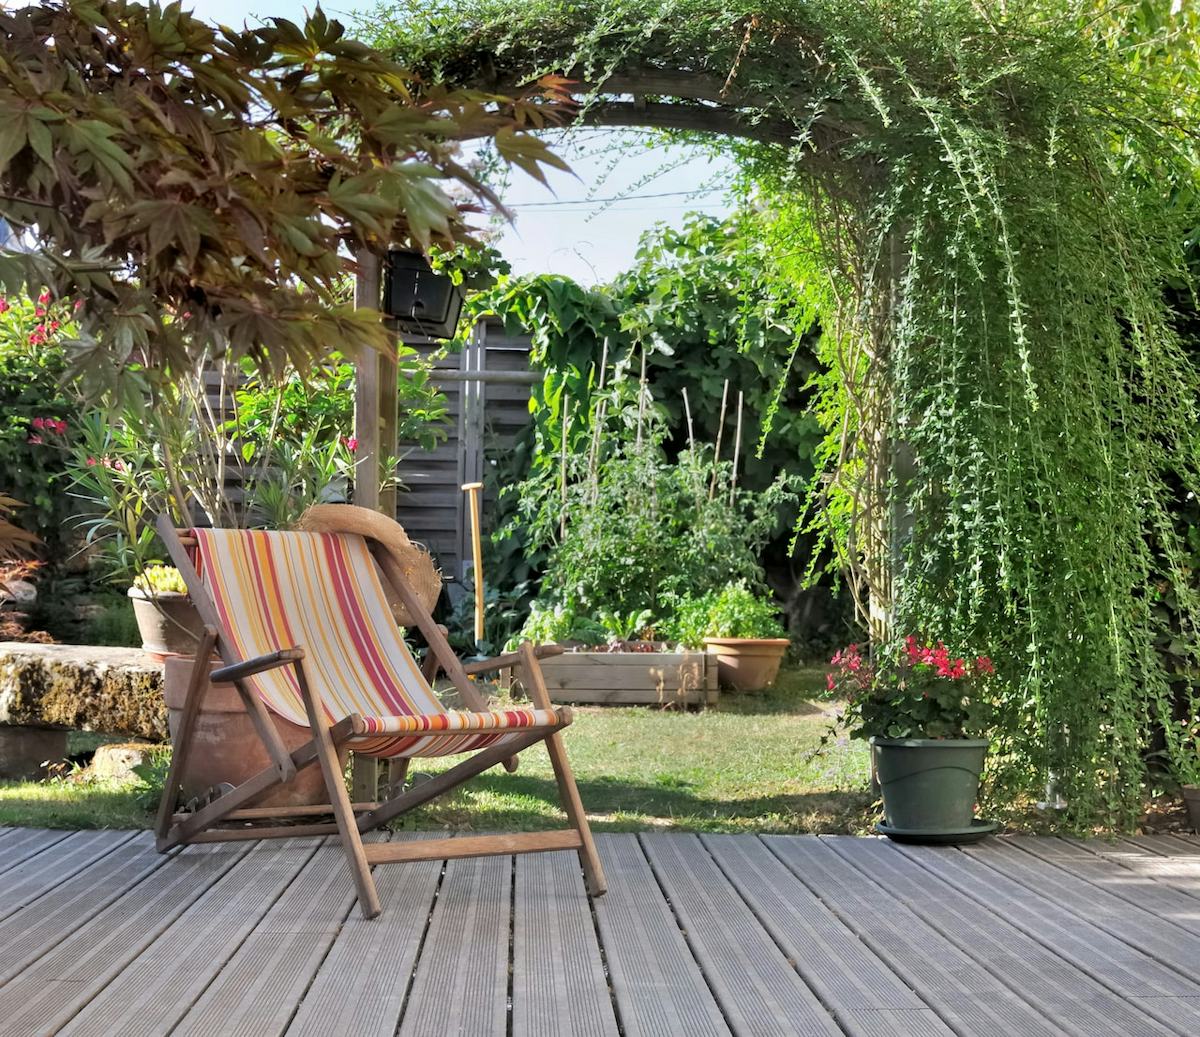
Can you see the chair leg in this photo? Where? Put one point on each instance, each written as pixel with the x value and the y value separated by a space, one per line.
pixel 339 799
pixel 568 793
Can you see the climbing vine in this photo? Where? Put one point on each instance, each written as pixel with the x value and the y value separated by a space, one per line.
pixel 992 199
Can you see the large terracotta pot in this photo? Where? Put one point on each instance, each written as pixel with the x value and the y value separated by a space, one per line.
pixel 745 663
pixel 168 622
pixel 225 746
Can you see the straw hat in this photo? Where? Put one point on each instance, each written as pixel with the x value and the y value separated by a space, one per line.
pixel 423 576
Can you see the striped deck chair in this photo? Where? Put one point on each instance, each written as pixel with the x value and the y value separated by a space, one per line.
pixel 303 625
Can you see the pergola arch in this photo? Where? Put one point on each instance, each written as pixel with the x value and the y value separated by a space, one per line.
pixel 986 190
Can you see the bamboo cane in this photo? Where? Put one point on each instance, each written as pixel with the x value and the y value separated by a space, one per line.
pixel 737 450
pixel 473 491
pixel 712 484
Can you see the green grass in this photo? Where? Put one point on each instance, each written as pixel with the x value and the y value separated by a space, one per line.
pixel 745 765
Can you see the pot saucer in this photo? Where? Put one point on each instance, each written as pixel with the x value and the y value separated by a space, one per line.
pixel 976 830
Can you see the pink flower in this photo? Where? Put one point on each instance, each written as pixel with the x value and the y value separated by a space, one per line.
pixel 38 423
pixel 91 462
pixel 984 665
pixel 37 336
pixel 39 311
pixel 78 305
pixel 34 440
pixel 44 297
pixel 351 443
pixel 60 427
pixel 4 307
pixel 829 682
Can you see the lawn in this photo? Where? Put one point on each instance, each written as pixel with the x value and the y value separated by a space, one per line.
pixel 746 765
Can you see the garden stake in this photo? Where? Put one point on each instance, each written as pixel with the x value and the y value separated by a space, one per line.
pixel 472 490
pixel 712 483
pixel 737 450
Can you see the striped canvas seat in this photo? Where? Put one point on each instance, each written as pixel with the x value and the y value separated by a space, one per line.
pixel 322 592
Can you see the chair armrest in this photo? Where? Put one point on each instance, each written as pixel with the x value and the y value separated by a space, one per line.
pixel 249 667
pixel 499 662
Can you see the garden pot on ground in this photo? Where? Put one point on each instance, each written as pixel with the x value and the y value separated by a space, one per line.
pixel 747 663
pixel 1191 799
pixel 167 620
pixel 929 785
pixel 225 746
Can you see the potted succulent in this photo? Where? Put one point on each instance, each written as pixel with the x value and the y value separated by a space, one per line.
pixel 740 628
pixel 166 618
pixel 924 710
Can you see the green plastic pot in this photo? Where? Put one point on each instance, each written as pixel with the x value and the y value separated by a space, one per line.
pixel 929 784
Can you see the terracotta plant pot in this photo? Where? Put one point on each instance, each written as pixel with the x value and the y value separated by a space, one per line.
pixel 225 746
pixel 747 663
pixel 168 622
pixel 1191 799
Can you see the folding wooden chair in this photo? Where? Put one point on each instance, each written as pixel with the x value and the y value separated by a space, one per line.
pixel 302 623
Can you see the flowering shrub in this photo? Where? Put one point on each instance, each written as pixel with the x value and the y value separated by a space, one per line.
pixel 919 690
pixel 36 415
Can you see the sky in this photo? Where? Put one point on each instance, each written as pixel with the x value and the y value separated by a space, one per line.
pixel 566 228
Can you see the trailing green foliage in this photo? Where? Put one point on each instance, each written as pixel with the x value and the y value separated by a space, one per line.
pixel 991 202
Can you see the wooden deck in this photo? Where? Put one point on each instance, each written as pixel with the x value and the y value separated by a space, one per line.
pixel 699 935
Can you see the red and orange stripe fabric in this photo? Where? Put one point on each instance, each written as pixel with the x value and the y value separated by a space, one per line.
pixel 322 592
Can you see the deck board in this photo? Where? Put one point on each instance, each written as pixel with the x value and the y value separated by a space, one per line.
pixel 256 993
pixel 986 930
pixel 927 948
pixel 156 989
pixel 699 935
pixel 1129 948
pixel 659 987
pixel 759 990
pixel 1151 899
pixel 359 990
pixel 461 982
pixel 54 987
pixel 558 977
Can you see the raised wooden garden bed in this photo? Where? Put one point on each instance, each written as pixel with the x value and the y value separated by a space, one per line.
pixel 632 678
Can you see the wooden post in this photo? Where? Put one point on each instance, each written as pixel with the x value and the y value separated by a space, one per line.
pixel 473 491
pixel 375 430
pixel 367 417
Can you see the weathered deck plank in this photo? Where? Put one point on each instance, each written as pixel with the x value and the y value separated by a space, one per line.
pixel 927 948
pixel 1084 992
pixel 461 983
pixel 156 989
pixel 699 935
pixel 559 987
pixel 659 987
pixel 758 990
pixel 23 843
pixel 359 990
pixel 1056 903
pixel 30 931
pixel 55 865
pixel 257 991
pixel 55 987
pixel 1141 891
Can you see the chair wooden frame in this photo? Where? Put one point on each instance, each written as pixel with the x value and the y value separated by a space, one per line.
pixel 351 820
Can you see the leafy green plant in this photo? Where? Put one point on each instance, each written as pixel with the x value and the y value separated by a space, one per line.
pixel 734 610
pixel 642 528
pixel 558 622
pixel 921 690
